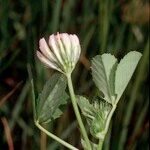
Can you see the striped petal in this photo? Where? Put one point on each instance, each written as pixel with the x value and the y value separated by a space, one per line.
pixel 78 48
pixel 67 44
pixel 62 53
pixel 45 50
pixel 46 61
pixel 60 44
pixel 55 49
pixel 75 47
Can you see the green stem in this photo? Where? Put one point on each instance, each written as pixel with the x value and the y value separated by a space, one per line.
pixel 100 145
pixel 69 146
pixel 77 113
pixel 109 118
pixel 101 141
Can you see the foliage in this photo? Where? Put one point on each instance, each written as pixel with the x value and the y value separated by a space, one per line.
pixel 112 78
pixel 115 27
pixel 52 96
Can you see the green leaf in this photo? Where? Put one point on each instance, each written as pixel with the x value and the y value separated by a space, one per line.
pixel 52 96
pixel 102 71
pixel 112 81
pixel 124 72
pixel 86 108
pixel 96 114
pixel 102 109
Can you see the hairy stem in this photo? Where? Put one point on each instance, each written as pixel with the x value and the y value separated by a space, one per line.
pixel 77 113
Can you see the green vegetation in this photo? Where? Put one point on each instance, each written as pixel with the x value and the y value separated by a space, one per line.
pixel 103 26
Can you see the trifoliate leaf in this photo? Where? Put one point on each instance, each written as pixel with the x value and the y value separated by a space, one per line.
pixel 125 71
pixel 102 71
pixel 52 96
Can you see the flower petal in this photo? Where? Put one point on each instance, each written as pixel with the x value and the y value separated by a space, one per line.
pixel 60 45
pixel 55 49
pixel 46 61
pixel 78 48
pixel 45 50
pixel 67 44
pixel 75 48
pixel 62 52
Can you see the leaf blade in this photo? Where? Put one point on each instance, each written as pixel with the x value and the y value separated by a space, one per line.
pixel 124 72
pixel 50 99
pixel 101 70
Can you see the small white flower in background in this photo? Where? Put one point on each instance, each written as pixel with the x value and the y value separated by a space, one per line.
pixel 61 53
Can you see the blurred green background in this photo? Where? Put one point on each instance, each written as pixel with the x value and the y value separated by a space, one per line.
pixel 112 26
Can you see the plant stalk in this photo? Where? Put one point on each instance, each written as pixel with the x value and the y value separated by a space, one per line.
pixel 77 113
pixel 69 146
pixel 109 118
pixel 101 141
pixel 100 144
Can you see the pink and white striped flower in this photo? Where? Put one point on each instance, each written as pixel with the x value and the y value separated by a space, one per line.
pixel 61 53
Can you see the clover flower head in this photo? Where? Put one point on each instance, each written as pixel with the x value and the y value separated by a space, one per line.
pixel 61 52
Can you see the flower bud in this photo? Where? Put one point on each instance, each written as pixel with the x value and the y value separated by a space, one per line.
pixel 61 52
